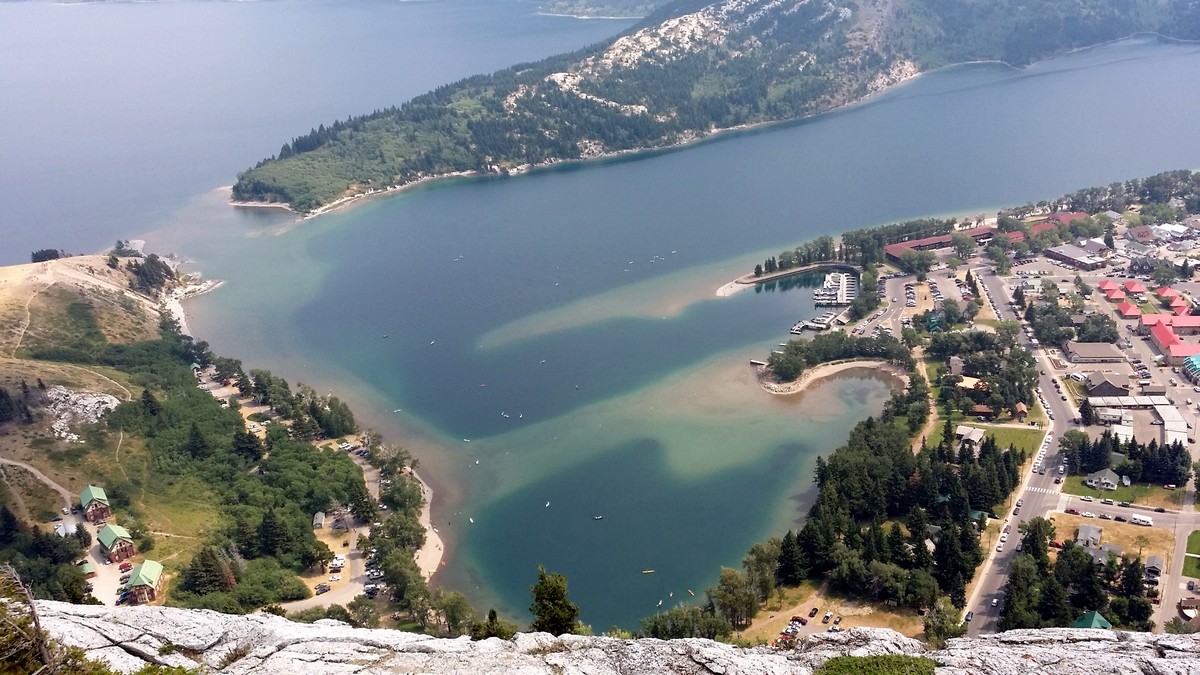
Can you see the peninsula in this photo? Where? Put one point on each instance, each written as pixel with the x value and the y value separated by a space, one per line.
pixel 689 70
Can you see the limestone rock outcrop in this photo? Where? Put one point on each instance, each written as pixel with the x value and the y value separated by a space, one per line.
pixel 129 637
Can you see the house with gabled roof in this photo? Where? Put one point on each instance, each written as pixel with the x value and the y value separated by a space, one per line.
pixel 1105 479
pixel 115 542
pixel 145 582
pixel 95 503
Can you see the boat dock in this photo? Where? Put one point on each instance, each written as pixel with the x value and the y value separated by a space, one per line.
pixel 822 322
pixel 839 290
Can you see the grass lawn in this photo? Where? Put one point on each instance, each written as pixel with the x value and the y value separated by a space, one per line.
pixel 1138 493
pixel 1159 541
pixel 1149 307
pixel 1027 439
pixel 1193 542
pixel 1191 567
pixel 1074 389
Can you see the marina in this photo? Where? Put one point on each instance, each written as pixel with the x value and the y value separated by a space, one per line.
pixel 839 290
pixel 822 322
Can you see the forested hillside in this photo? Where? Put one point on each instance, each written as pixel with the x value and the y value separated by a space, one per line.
pixel 688 70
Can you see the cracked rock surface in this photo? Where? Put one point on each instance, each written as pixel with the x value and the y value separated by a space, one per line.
pixel 129 637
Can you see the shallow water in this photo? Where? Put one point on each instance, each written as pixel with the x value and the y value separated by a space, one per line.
pixel 644 410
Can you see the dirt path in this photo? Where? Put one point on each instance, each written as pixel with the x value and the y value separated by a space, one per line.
pixel 67 495
pixel 18 501
pixel 931 423
pixel 28 317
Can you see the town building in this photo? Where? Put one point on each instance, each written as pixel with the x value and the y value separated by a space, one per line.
pixel 1092 352
pixel 318 520
pixel 1142 234
pixel 1128 310
pixel 145 582
pixel 1106 384
pixel 1076 257
pixel 1170 345
pixel 95 504
pixel 115 542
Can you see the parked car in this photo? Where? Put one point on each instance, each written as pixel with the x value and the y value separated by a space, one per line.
pixel 827 617
pixel 968 617
pixel 813 612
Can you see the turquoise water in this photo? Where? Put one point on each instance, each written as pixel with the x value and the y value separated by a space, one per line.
pixel 643 407
pixel 644 410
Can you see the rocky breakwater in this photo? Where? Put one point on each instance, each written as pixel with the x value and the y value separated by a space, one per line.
pixel 128 638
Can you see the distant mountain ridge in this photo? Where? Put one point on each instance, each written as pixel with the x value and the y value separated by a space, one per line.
pixel 690 69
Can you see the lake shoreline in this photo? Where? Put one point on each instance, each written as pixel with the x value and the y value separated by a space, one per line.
pixel 825 370
pixel 429 558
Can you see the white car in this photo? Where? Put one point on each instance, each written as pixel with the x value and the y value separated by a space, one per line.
pixel 1003 537
pixel 1000 547
pixel 1088 514
pixel 335 577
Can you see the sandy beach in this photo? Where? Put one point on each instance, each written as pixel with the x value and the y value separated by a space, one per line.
pixel 429 558
pixel 825 370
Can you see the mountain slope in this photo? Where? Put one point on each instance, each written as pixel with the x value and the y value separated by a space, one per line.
pixel 687 71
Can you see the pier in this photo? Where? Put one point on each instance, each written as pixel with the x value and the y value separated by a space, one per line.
pixel 839 290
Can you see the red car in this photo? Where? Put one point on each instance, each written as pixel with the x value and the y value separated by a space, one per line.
pixel 125 567
pixel 1073 511
pixel 813 612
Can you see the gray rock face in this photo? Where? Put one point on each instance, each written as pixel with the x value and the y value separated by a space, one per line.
pixel 129 637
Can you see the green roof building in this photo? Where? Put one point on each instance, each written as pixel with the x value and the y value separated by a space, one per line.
pixel 145 581
pixel 115 542
pixel 1093 620
pixel 95 503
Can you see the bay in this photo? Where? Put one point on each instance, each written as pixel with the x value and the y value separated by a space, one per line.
pixel 644 410
pixel 555 337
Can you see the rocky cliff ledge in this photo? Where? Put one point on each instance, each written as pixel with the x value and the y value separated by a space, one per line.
pixel 127 638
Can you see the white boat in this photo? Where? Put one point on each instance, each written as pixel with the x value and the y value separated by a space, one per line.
pixel 597 517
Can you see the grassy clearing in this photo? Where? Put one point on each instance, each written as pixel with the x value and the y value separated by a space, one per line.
pixel 773 617
pixel 1158 540
pixel 28 495
pixel 1193 542
pixel 1027 439
pixel 1191 567
pixel 1137 493
pixel 768 623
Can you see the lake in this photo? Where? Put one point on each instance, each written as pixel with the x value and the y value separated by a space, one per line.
pixel 555 337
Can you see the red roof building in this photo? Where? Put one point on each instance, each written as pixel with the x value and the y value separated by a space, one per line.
pixel 1129 310
pixel 1181 311
pixel 1132 286
pixel 1116 294
pixel 1170 344
pixel 1108 285
pixel 1166 293
pixel 1177 302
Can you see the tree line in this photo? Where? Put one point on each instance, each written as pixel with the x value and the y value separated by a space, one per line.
pixel 1164 464
pixel 799 355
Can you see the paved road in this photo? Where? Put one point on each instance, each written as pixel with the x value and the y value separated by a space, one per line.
pixel 1038 492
